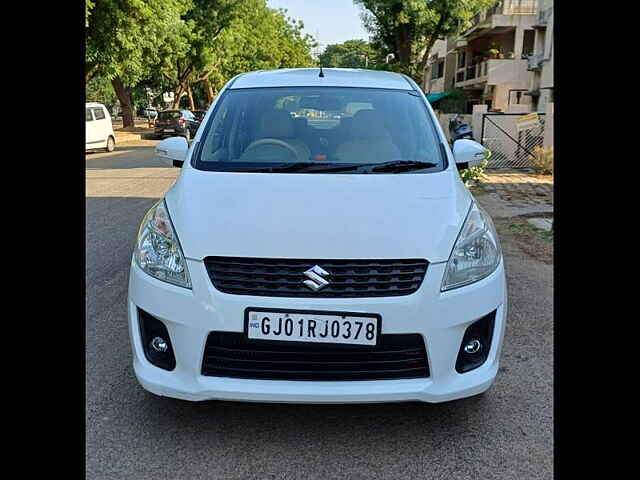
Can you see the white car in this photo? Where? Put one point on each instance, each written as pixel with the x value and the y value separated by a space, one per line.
pixel 150 112
pixel 98 128
pixel 290 263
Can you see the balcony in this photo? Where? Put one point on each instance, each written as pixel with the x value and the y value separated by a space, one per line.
pixel 505 7
pixel 494 72
pixel 519 7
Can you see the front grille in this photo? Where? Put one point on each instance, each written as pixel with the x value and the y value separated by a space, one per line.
pixel 229 354
pixel 270 277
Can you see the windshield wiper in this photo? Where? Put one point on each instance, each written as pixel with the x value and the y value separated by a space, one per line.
pixel 310 167
pixel 326 167
pixel 401 166
pixel 278 167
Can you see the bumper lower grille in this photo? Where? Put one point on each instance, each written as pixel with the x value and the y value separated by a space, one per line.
pixel 229 354
pixel 270 277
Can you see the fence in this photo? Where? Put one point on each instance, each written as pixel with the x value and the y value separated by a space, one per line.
pixel 510 147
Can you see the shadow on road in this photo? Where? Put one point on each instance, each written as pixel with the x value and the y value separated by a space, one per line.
pixel 125 156
pixel 504 434
pixel 330 419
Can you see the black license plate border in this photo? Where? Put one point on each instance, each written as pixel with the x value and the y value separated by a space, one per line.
pixel 377 316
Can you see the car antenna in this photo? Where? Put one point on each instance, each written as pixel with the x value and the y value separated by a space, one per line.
pixel 321 72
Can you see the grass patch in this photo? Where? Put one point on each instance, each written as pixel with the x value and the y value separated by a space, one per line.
pixel 526 229
pixel 534 241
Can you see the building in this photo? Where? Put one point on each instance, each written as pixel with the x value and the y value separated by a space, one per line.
pixel 433 81
pixel 490 60
pixel 541 62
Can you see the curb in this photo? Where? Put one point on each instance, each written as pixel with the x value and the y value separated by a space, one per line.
pixel 127 137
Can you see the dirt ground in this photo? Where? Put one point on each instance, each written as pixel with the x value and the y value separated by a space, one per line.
pixel 533 241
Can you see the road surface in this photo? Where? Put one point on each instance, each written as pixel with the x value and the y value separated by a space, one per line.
pixel 131 434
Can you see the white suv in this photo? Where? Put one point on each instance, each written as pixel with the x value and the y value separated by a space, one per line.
pixel 318 246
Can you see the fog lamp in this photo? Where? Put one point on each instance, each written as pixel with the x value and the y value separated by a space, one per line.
pixel 474 346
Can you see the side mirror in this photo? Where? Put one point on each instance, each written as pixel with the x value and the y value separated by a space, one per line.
pixel 173 151
pixel 468 152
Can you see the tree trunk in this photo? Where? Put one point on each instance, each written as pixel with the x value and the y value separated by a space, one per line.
pixel 124 96
pixel 176 97
pixel 403 45
pixel 192 105
pixel 209 90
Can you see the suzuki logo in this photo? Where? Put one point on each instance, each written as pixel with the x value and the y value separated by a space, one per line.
pixel 315 275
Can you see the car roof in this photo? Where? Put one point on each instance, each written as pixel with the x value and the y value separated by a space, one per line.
pixel 93 104
pixel 333 77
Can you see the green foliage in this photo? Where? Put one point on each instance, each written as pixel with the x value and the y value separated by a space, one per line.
pixel 350 54
pixel 99 89
pixel 409 28
pixel 172 45
pixel 473 174
pixel 260 38
pixel 199 29
pixel 128 39
pixel 88 5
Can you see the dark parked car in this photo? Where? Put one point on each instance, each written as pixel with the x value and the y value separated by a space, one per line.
pixel 199 114
pixel 176 123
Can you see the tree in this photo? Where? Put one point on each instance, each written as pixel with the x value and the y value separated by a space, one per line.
pixel 259 38
pixel 128 39
pixel 203 22
pixel 409 28
pixel 99 89
pixel 88 5
pixel 350 54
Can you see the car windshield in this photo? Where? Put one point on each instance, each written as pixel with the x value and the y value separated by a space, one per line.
pixel 311 130
pixel 170 114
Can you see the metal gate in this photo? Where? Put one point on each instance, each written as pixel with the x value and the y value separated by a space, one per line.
pixel 510 147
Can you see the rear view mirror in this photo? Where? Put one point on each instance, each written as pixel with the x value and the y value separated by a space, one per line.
pixel 468 152
pixel 173 151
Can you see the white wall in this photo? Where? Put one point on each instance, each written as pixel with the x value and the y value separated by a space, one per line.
pixel 548 126
pixel 476 122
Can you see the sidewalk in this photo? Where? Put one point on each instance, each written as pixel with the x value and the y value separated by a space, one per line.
pixel 138 122
pixel 140 131
pixel 513 194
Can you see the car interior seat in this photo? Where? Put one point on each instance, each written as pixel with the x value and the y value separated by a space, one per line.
pixel 279 125
pixel 369 140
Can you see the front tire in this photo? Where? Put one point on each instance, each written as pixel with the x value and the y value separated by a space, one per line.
pixel 111 144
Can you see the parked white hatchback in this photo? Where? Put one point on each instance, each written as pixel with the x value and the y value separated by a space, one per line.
pixel 98 128
pixel 318 246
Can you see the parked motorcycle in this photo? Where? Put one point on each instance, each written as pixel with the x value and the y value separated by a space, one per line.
pixel 458 129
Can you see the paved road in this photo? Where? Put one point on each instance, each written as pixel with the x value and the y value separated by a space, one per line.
pixel 507 434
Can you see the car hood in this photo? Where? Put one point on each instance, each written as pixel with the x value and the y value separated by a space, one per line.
pixel 318 216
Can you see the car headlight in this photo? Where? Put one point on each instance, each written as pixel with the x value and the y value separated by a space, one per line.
pixel 158 250
pixel 476 253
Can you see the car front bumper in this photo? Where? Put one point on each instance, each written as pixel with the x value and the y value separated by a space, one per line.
pixel 441 318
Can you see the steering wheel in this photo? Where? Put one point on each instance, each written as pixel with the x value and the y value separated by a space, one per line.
pixel 272 141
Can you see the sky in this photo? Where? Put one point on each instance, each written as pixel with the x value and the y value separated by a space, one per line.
pixel 329 21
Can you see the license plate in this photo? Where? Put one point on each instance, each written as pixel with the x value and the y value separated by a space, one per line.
pixel 169 130
pixel 313 327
